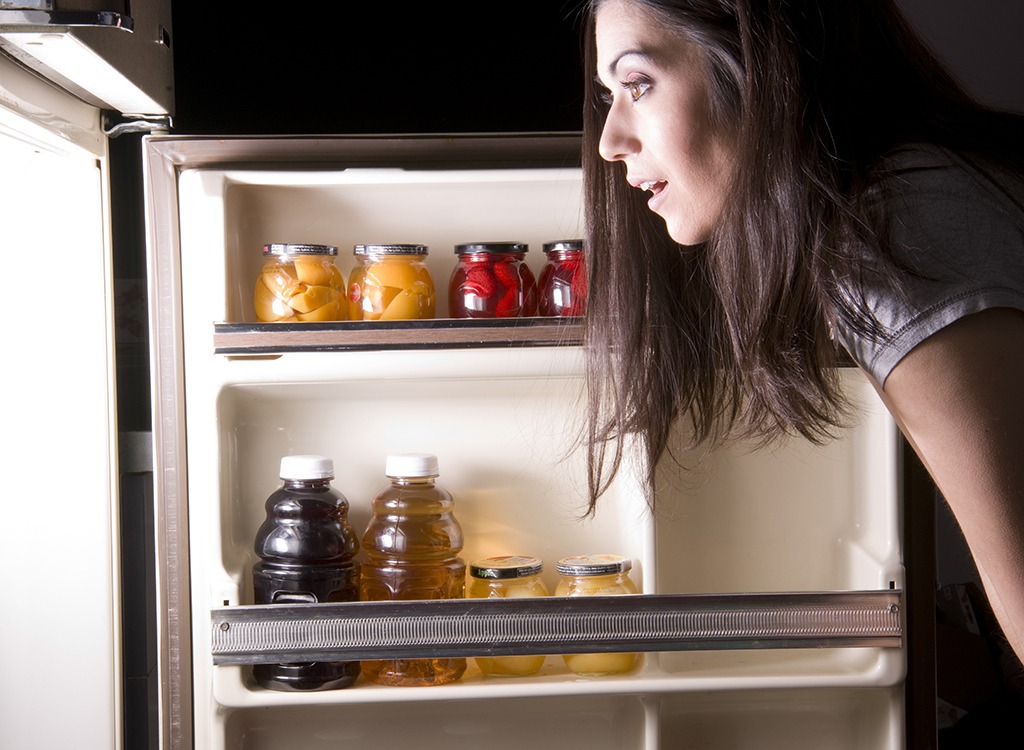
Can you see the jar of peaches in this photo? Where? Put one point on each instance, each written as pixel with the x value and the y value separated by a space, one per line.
pixel 492 280
pixel 299 283
pixel 596 575
pixel 562 286
pixel 391 282
pixel 507 576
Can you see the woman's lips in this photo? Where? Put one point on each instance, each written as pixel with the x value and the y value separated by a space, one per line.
pixel 655 188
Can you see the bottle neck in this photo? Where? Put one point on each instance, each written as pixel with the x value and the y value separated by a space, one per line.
pixel 306 483
pixel 413 481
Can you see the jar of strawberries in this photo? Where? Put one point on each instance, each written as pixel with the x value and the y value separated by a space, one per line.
pixel 492 280
pixel 562 287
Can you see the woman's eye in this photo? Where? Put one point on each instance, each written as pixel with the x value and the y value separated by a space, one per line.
pixel 636 88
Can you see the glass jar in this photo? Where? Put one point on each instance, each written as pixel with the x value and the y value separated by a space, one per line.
pixel 299 283
pixel 507 577
pixel 391 282
pixel 412 546
pixel 492 280
pixel 562 287
pixel 596 575
pixel 306 549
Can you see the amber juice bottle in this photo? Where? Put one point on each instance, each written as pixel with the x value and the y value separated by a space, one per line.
pixel 411 546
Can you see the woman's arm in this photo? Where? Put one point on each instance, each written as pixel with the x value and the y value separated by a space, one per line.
pixel 959 399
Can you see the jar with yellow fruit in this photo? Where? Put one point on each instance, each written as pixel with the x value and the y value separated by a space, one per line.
pixel 299 283
pixel 596 575
pixel 391 282
pixel 507 577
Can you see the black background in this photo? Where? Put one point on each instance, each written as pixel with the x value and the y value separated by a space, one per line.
pixel 346 68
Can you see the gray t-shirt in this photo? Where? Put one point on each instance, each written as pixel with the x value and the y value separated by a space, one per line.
pixel 962 230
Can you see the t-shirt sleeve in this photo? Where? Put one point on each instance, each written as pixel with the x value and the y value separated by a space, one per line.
pixel 961 232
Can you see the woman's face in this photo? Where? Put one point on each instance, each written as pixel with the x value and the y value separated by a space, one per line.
pixel 658 124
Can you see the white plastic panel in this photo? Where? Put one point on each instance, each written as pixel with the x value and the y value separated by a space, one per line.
pixel 596 723
pixel 782 720
pixel 792 517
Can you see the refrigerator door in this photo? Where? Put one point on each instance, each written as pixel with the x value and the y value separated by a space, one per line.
pixel 501 407
pixel 59 632
pixel 68 71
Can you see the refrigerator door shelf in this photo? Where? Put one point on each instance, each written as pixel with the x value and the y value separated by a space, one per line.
pixel 259 339
pixel 553 625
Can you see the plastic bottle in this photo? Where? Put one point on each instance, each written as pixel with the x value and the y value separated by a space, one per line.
pixel 411 545
pixel 306 548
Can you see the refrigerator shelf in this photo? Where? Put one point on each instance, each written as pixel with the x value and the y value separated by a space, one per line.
pixel 554 625
pixel 237 339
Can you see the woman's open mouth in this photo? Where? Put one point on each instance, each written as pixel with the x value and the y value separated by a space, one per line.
pixel 655 188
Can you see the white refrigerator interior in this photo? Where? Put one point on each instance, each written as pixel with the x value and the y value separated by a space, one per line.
pixel 59 631
pixel 503 421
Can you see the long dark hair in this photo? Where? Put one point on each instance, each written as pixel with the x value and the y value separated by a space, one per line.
pixel 733 336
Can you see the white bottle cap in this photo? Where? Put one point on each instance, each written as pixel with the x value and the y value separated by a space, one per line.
pixel 411 465
pixel 307 467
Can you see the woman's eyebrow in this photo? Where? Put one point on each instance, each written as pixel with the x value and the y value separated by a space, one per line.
pixel 644 55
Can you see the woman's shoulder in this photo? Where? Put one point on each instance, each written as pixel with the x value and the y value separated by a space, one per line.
pixel 929 173
pixel 956 222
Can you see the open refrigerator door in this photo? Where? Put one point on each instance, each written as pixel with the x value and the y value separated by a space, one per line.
pixel 501 405
pixel 70 78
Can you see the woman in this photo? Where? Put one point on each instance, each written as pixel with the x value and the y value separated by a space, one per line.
pixel 766 178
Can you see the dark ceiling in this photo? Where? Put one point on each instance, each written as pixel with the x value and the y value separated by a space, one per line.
pixel 346 67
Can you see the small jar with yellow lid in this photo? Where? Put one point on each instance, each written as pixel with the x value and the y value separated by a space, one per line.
pixel 507 576
pixel 299 283
pixel 596 575
pixel 391 282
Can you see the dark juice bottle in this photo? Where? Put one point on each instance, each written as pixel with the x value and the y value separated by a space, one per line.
pixel 411 546
pixel 306 548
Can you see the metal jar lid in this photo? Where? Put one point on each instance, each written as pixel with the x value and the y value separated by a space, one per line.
pixel 292 248
pixel 470 248
pixel 390 250
pixel 594 565
pixel 563 246
pixel 505 567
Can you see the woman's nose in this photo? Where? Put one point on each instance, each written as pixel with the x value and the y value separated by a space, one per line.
pixel 617 139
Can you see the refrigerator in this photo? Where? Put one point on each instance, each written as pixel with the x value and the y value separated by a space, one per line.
pixel 779 576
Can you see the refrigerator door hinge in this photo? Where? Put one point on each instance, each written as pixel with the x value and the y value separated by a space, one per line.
pixel 115 125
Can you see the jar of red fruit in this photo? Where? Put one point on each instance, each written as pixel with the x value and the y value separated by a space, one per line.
pixel 492 280
pixel 562 288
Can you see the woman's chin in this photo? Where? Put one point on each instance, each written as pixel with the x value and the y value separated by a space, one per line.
pixel 685 233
